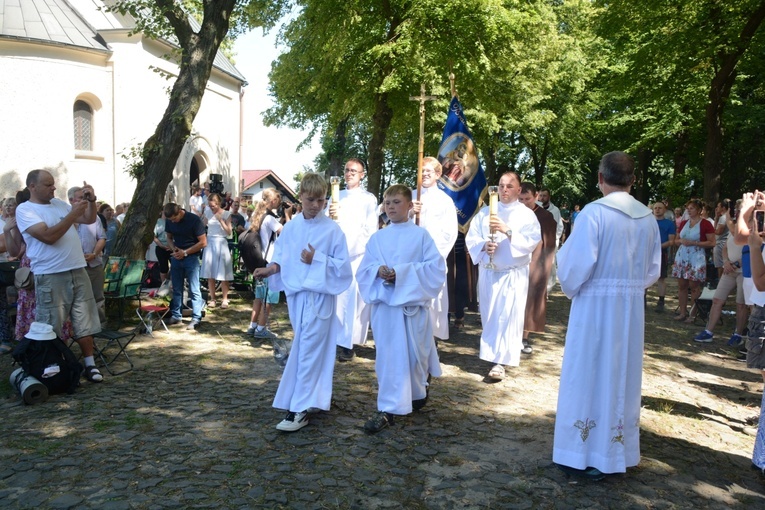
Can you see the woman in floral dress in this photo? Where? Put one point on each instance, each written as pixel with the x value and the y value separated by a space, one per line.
pixel 690 267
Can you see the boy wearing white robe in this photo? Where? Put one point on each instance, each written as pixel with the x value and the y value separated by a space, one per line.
pixel 507 240
pixel 400 274
pixel 356 213
pixel 612 256
pixel 438 216
pixel 310 264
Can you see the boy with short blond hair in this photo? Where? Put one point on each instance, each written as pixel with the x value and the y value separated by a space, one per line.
pixel 400 274
pixel 310 264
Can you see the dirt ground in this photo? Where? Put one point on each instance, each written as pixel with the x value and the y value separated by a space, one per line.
pixel 192 426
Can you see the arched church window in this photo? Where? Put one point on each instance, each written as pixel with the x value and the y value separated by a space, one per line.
pixel 83 126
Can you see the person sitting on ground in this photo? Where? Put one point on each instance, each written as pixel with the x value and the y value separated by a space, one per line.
pixel 217 263
pixel 732 278
pixel 690 268
pixel 265 224
pixel 667 232
pixel 311 265
pixel 400 274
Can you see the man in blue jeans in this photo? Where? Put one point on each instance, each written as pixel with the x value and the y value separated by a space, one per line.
pixel 186 238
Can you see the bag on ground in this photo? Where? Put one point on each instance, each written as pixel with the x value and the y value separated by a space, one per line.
pixel 45 357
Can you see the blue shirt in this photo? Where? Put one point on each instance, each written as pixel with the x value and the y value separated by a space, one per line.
pixel 186 232
pixel 666 228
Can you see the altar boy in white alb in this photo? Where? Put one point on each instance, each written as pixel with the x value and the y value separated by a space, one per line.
pixel 400 274
pixel 611 257
pixel 503 289
pixel 310 264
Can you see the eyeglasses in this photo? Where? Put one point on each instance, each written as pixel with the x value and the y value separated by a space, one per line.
pixel 352 171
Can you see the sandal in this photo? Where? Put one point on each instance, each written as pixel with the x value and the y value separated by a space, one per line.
pixel 459 323
pixel 690 320
pixel 92 374
pixel 211 303
pixel 497 373
pixel 224 303
pixel 680 317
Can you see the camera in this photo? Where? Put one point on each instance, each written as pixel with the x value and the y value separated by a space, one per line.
pixel 216 183
pixel 759 219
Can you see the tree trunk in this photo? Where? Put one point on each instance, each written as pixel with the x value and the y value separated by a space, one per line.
pixel 719 91
pixel 680 160
pixel 641 175
pixel 380 123
pixel 161 151
pixel 337 154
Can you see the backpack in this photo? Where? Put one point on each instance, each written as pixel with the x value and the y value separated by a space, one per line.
pixel 251 249
pixel 51 362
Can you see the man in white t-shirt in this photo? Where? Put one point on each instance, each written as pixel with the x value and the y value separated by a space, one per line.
pixel 196 202
pixel 62 286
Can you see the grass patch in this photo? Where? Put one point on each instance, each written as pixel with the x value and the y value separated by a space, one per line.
pixel 103 425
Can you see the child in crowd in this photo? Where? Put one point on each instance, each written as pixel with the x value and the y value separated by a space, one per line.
pixel 400 274
pixel 311 265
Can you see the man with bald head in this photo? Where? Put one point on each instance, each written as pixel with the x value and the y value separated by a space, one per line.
pixel 62 286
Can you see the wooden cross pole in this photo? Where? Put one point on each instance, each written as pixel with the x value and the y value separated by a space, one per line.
pixel 421 147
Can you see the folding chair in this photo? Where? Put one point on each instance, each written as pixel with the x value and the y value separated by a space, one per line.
pixel 129 288
pixel 128 285
pixel 113 274
pixel 152 316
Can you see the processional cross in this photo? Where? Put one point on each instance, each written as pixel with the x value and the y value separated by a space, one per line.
pixel 421 147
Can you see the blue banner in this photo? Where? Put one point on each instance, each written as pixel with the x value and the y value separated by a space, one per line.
pixel 462 178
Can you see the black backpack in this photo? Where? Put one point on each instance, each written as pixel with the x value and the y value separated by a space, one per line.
pixel 251 249
pixel 51 362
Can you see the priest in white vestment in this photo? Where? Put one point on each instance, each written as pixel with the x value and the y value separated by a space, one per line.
pixel 400 274
pixel 310 264
pixel 438 216
pixel 503 289
pixel 356 213
pixel 612 256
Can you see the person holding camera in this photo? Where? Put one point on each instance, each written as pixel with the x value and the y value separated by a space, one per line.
pixel 58 261
pixel 750 230
pixel 690 267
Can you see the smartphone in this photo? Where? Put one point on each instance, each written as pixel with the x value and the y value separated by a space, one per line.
pixel 759 218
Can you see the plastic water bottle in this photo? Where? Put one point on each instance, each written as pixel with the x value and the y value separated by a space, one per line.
pixel 280 351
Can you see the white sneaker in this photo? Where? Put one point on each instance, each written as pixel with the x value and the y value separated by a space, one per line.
pixel 293 422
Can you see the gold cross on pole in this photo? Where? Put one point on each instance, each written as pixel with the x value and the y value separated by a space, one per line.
pixel 421 147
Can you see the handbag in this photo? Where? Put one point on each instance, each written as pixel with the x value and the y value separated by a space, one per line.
pixel 24 279
pixel 8 272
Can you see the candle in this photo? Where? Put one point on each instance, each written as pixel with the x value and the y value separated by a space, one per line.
pixel 335 182
pixel 493 205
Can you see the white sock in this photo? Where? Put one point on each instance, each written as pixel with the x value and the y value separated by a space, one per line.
pixel 254 325
pixel 261 328
pixel 90 361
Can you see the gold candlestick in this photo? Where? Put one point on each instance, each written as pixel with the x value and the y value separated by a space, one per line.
pixel 493 211
pixel 335 183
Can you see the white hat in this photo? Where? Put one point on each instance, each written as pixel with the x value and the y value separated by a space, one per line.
pixel 41 331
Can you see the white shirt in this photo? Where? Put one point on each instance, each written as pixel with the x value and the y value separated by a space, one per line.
pixel 63 255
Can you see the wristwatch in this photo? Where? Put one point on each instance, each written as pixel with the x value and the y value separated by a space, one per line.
pixel 509 232
pixel 185 254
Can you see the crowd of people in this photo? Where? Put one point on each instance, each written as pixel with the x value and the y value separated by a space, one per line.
pixel 346 263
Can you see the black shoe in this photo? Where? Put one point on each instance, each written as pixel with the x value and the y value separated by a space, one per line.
pixel 741 357
pixel 378 421
pixel 420 402
pixel 345 354
pixel 590 473
pixel 527 349
pixel 659 308
pixel 193 325
pixel 172 321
